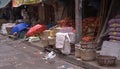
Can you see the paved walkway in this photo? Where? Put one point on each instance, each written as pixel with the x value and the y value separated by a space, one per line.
pixel 72 59
pixel 18 55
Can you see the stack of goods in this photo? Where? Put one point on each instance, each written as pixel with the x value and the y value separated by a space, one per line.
pixel 66 22
pixel 88 45
pixel 114 29
pixel 89 29
pixel 89 26
pixel 87 38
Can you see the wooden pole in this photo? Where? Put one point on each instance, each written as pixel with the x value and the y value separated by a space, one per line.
pixel 104 28
pixel 78 20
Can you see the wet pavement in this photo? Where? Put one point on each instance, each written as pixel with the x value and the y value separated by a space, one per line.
pixel 14 54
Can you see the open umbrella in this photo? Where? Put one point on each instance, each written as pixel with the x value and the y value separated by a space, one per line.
pixel 36 29
pixel 4 3
pixel 19 27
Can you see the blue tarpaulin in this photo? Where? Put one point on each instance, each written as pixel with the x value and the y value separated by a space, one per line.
pixel 20 27
pixel 50 25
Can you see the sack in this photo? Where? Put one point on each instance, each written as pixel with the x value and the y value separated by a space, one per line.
pixel 114 33
pixel 66 48
pixel 114 37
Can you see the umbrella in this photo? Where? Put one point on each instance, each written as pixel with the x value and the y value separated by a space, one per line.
pixel 4 3
pixel 19 27
pixel 36 29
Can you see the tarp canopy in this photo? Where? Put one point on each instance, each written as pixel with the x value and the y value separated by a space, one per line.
pixel 17 3
pixel 4 3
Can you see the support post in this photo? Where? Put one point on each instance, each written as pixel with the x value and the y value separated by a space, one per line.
pixel 78 20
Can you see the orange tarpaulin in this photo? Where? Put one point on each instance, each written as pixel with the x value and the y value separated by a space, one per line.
pixel 17 3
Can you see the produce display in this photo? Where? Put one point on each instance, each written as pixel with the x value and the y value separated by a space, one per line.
pixel 87 38
pixel 89 29
pixel 66 22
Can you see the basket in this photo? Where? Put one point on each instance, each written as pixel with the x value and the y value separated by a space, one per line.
pixel 88 54
pixel 106 60
pixel 77 52
pixel 88 45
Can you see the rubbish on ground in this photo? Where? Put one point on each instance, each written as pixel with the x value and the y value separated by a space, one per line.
pixel 50 55
pixel 32 39
pixel 15 46
pixel 78 59
pixel 41 53
pixel 24 47
pixel 19 64
pixel 65 66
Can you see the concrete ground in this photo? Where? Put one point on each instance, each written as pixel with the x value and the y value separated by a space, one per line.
pixel 72 59
pixel 18 55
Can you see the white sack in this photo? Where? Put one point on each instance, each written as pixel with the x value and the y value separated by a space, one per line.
pixel 60 37
pixel 67 48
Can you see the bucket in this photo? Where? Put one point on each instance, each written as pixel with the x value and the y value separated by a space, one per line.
pixel 45 34
pixel 52 33
pixel 51 40
pixel 77 50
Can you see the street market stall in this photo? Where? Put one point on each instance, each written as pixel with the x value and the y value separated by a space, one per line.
pixel 79 31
